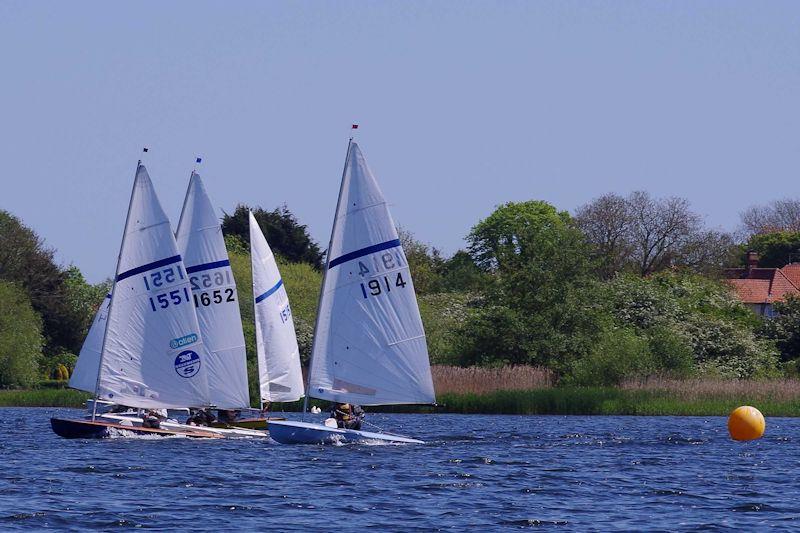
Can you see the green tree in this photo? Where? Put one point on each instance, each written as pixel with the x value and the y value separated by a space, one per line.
pixel 460 274
pixel 286 236
pixel 424 261
pixel 20 338
pixel 26 261
pixel 775 249
pixel 83 298
pixel 538 307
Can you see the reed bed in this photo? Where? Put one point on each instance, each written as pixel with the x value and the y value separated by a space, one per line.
pixel 482 380
pixel 756 390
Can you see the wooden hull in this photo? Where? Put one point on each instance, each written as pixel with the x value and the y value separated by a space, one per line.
pixel 86 429
pixel 289 432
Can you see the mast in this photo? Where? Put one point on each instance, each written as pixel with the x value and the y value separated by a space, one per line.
pixel 113 287
pixel 325 276
pixel 255 315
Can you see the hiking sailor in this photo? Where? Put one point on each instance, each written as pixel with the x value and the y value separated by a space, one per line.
pixel 348 416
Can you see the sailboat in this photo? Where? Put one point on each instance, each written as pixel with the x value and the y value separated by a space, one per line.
pixel 152 354
pixel 279 373
pixel 369 343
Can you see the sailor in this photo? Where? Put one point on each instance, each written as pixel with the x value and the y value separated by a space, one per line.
pixel 201 417
pixel 151 419
pixel 348 416
pixel 228 416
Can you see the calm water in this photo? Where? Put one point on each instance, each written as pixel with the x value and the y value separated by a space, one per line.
pixel 493 472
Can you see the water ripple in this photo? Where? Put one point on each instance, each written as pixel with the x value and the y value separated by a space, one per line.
pixel 488 472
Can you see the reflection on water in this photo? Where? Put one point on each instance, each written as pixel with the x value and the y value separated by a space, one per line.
pixel 488 471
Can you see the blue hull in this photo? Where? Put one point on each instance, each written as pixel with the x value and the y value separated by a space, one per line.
pixel 289 432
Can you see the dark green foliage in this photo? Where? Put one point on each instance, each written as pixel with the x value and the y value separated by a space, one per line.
pixel 461 274
pixel 26 261
pixel 776 249
pixel 671 352
pixel 286 236
pixel 20 338
pixel 619 354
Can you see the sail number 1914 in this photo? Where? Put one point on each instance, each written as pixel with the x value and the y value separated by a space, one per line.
pixel 375 287
pixel 381 284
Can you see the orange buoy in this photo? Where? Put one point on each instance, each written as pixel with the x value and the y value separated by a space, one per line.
pixel 746 423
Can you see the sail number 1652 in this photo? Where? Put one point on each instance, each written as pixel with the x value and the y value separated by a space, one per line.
pixel 375 287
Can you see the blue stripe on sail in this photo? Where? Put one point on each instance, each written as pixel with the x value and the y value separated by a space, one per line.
pixel 148 266
pixel 269 292
pixel 207 266
pixel 364 251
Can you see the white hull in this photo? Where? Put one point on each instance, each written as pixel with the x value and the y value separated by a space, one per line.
pixel 290 432
pixel 226 432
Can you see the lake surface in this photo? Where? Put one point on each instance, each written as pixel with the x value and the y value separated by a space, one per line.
pixel 492 472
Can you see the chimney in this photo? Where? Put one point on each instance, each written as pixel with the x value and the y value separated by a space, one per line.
pixel 752 261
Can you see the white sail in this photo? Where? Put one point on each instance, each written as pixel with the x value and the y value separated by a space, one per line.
pixel 202 247
pixel 279 373
pixel 84 377
pixel 369 345
pixel 153 354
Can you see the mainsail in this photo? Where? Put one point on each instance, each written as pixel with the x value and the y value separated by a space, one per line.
pixel 202 247
pixel 84 377
pixel 369 345
pixel 153 354
pixel 279 373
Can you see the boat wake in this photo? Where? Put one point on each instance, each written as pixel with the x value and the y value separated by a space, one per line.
pixel 115 433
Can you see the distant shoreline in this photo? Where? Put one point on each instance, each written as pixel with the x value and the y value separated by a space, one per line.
pixel 545 401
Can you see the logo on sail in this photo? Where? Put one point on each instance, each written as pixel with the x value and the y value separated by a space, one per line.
pixel 187 364
pixel 186 340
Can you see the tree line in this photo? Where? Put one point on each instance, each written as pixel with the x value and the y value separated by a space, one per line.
pixel 624 287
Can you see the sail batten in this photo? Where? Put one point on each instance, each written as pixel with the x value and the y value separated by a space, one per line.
pixel 215 297
pixel 280 376
pixel 369 345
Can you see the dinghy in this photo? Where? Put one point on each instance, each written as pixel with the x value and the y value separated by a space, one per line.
pixel 369 344
pixel 152 354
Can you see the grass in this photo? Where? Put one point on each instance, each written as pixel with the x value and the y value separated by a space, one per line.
pixel 43 398
pixel 609 401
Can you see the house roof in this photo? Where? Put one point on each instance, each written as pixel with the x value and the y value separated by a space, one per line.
pixel 765 285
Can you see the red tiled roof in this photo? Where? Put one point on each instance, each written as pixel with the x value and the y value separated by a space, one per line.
pixel 765 285
pixel 792 271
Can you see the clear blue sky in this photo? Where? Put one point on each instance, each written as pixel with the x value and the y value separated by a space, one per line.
pixel 462 106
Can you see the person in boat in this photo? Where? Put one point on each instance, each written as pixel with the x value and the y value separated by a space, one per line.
pixel 348 416
pixel 228 416
pixel 201 417
pixel 152 419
